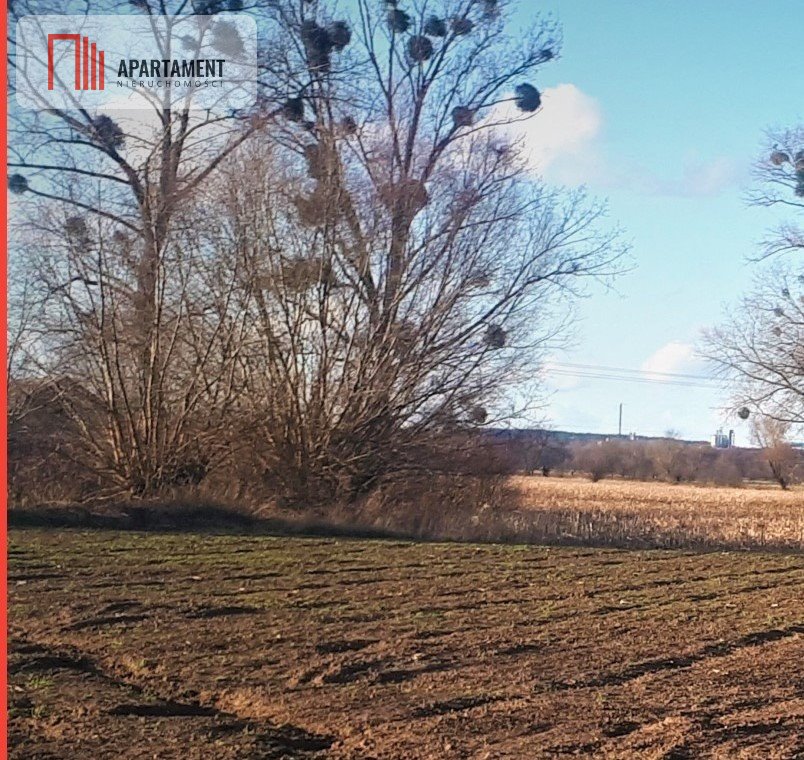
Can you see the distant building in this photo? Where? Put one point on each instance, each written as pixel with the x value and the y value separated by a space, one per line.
pixel 565 436
pixel 722 441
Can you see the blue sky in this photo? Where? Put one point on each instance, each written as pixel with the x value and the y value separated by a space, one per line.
pixel 660 106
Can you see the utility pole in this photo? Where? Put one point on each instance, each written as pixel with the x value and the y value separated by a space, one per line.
pixel 620 427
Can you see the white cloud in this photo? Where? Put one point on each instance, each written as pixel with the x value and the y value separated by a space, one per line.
pixel 705 177
pixel 563 142
pixel 567 124
pixel 699 178
pixel 672 357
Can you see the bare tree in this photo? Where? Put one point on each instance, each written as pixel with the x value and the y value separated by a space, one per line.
pixel 598 459
pixel 407 267
pixel 102 213
pixel 780 183
pixel 356 308
pixel 771 435
pixel 538 450
pixel 88 350
pixel 759 349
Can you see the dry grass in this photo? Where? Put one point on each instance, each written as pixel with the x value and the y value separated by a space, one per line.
pixel 572 511
pixel 629 512
pixel 533 510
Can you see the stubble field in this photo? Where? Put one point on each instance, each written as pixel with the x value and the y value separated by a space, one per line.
pixel 146 645
pixel 663 514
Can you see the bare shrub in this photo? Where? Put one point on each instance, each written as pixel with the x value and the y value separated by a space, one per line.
pixel 783 460
pixel 461 507
pixel 598 459
pixel 725 471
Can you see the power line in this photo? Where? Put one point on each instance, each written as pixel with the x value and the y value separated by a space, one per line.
pixel 623 378
pixel 648 372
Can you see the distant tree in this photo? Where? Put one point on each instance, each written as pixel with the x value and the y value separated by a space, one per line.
pixel 543 452
pixel 632 459
pixel 553 456
pixel 723 468
pixel 771 435
pixel 599 459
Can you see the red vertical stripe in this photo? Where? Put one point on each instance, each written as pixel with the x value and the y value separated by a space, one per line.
pixel 50 62
pixel 93 54
pixel 51 39
pixel 100 66
pixel 86 63
pixel 3 392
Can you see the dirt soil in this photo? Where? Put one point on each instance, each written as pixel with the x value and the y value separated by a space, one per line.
pixel 130 645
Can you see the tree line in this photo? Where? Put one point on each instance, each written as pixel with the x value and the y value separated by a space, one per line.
pixel 665 460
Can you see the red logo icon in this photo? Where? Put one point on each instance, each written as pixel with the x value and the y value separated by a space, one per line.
pixel 88 67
